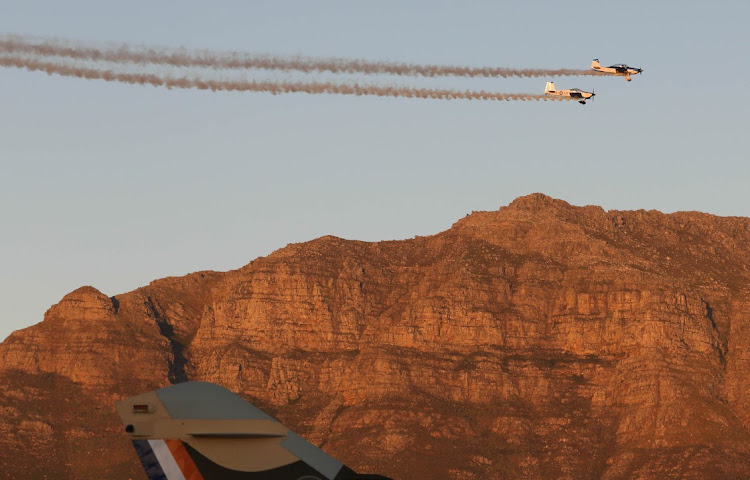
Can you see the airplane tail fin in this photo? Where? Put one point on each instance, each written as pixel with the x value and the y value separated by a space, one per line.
pixel 549 88
pixel 595 64
pixel 201 431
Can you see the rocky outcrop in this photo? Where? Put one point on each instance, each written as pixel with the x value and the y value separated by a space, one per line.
pixel 541 340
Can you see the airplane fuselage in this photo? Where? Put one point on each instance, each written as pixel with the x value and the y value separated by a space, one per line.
pixel 620 70
pixel 573 93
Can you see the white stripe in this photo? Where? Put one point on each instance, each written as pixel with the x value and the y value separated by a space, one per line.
pixel 166 460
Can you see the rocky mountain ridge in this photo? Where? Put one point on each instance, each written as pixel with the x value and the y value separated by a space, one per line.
pixel 542 340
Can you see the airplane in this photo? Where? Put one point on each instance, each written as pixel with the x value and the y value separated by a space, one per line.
pixel 201 431
pixel 572 93
pixel 618 70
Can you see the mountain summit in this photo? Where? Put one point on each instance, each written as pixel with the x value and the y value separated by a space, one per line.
pixel 541 340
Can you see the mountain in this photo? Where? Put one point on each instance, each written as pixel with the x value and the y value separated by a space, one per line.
pixel 541 340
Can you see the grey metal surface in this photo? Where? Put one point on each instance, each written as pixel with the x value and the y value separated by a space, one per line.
pixel 312 455
pixel 202 400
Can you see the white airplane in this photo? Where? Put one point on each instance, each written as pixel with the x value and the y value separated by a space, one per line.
pixel 620 69
pixel 572 93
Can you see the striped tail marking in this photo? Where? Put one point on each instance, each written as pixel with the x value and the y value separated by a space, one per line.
pixel 166 460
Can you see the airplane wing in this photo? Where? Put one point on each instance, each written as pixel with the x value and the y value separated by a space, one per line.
pixel 201 431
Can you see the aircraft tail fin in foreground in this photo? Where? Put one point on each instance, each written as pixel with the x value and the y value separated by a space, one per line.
pixel 201 431
pixel 595 64
pixel 549 88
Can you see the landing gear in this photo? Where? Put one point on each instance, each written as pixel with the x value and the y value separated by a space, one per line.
pixel 628 78
pixel 582 102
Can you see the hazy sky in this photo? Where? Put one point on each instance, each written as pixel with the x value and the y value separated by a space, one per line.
pixel 115 185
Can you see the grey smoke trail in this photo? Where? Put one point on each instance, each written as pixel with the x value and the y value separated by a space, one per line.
pixel 269 86
pixel 15 45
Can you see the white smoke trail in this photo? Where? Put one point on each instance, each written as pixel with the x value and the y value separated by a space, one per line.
pixel 269 86
pixel 124 53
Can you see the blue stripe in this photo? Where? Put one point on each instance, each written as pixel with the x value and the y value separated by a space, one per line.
pixel 148 460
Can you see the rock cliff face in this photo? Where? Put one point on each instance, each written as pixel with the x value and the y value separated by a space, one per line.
pixel 542 340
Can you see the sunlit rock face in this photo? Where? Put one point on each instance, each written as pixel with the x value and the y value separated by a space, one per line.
pixel 541 340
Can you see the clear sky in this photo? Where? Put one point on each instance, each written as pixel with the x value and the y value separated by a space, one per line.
pixel 115 185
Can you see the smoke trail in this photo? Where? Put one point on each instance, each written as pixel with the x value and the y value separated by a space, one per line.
pixel 269 86
pixel 13 44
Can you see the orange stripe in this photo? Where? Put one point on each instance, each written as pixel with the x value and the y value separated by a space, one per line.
pixel 183 459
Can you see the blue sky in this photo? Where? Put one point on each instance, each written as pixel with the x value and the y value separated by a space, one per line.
pixel 116 185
